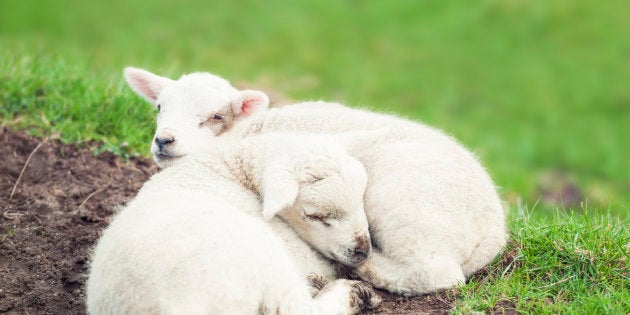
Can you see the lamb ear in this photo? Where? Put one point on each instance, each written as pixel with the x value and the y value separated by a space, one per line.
pixel 145 83
pixel 280 190
pixel 359 141
pixel 247 101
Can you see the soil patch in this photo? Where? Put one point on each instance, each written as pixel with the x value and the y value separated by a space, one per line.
pixel 52 216
pixel 59 207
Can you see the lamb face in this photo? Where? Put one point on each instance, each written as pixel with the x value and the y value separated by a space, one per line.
pixel 193 108
pixel 329 209
pixel 321 197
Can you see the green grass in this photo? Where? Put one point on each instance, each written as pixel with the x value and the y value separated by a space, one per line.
pixel 50 97
pixel 573 263
pixel 533 87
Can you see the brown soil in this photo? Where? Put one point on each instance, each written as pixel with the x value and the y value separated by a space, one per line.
pixel 60 205
pixel 63 198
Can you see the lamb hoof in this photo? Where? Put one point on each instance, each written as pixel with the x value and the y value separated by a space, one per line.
pixel 363 296
pixel 317 281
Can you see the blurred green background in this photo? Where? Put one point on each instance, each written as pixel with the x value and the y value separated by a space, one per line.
pixel 540 90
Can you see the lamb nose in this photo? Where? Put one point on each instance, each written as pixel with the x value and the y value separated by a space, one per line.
pixel 363 246
pixel 361 253
pixel 161 142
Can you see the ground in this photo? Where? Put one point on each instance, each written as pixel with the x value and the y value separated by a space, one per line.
pixel 61 202
pixel 56 199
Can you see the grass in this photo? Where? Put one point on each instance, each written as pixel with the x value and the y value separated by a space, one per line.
pixel 8 232
pixel 47 96
pixel 533 87
pixel 576 263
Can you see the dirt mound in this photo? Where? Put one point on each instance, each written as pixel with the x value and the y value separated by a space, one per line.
pixel 59 207
pixel 55 200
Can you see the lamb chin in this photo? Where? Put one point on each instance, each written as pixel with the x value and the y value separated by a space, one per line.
pixel 164 160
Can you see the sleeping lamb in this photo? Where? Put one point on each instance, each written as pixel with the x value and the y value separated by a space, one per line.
pixel 193 241
pixel 434 213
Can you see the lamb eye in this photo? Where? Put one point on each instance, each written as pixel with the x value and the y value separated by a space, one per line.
pixel 159 107
pixel 216 118
pixel 212 119
pixel 315 179
pixel 320 217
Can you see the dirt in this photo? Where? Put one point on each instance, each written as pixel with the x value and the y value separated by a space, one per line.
pixel 53 208
pixel 57 211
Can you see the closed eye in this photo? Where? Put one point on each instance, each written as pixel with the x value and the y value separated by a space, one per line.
pixel 320 217
pixel 315 179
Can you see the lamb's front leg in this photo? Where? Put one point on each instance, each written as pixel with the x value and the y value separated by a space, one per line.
pixel 351 295
pixel 413 276
pixel 338 297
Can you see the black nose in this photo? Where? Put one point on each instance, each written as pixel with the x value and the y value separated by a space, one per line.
pixel 361 253
pixel 161 142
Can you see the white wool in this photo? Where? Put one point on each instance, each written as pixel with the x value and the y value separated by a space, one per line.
pixel 434 213
pixel 193 241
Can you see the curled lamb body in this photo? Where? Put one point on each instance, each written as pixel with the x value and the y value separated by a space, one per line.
pixel 193 241
pixel 434 213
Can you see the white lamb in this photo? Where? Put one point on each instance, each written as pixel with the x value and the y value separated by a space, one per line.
pixel 193 240
pixel 435 216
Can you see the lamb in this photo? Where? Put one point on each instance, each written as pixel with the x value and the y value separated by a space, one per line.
pixel 193 240
pixel 434 213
